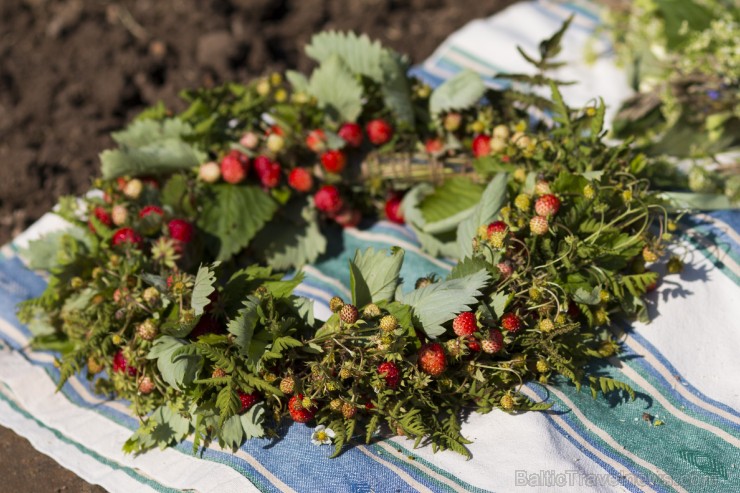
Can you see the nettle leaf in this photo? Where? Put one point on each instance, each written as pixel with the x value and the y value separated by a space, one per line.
pixel 164 156
pixel 494 196
pixel 293 241
pixel 204 286
pixel 460 92
pixel 144 132
pixel 449 204
pixel 253 421
pixel 244 324
pixel 374 275
pixel 337 90
pixel 440 302
pixel 185 367
pixel 234 215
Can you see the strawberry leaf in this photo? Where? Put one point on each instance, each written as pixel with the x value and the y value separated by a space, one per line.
pixel 487 209
pixel 375 275
pixel 460 92
pixel 205 281
pixel 180 372
pixel 337 90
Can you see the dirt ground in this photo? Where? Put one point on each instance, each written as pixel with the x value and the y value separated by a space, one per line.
pixel 71 71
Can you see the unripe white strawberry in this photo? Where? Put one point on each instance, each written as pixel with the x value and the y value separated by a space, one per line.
pixel 250 140
pixel 538 225
pixel 275 143
pixel 119 214
pixel 209 172
pixel 133 188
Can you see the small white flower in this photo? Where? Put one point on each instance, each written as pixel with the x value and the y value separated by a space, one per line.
pixel 322 435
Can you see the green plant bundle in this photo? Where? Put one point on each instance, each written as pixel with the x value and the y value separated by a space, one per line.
pixel 169 290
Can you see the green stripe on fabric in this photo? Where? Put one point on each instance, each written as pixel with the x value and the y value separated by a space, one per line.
pixel 88 452
pixel 692 456
pixel 716 261
pixel 418 461
pixel 477 59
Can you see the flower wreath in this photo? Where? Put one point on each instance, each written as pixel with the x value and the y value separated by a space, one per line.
pixel 169 289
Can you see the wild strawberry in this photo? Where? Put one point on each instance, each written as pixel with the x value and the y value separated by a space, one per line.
pixel 649 255
pixel 423 282
pixel 300 180
pixel 511 322
pixel 349 314
pixel 275 143
pixel 465 324
pixel 542 187
pixel 393 209
pixel 209 172
pixel 93 366
pixel 150 209
pixel 351 133
pixel 335 304
pixel 389 323
pixel 378 131
pixel 275 130
pixel 119 214
pixel 316 140
pixel 501 132
pixel 452 121
pixel 180 230
pixel 454 347
pixel 248 400
pixel 333 161
pixel 546 325
pixel 147 330
pixel 335 404
pixel 497 227
pixel 542 366
pixel 481 145
pixel 218 373
pixel 298 412
pixel 473 344
pixel 234 167
pixel 287 385
pixel 102 216
pixel 507 402
pixel 538 225
pixel 327 199
pixel 505 268
pixel 493 343
pixel 133 188
pixel 371 311
pixel 126 236
pixel 434 146
pixel 547 205
pixel 146 386
pixel 267 170
pixel 432 359
pixel 121 365
pixel 250 140
pixel 348 410
pixel 390 372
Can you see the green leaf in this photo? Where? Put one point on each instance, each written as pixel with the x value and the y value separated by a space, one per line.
pixel 297 80
pixel 676 13
pixel 438 303
pixel 337 90
pixel 43 253
pixel 234 215
pixel 183 370
pixel 587 297
pixel 175 195
pixel 358 287
pixel 696 201
pixel 494 196
pixel 165 156
pixel 294 240
pixel 169 427
pixel 205 285
pixel 244 324
pixel 232 432
pixel 457 93
pixel 143 132
pixel 499 302
pixel 448 204
pixel 253 421
pixel 466 267
pixel 379 272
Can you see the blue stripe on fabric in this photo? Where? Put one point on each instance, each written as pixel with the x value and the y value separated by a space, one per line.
pixel 552 15
pixel 672 369
pixel 596 443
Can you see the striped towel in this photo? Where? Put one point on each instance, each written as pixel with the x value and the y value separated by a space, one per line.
pixel 683 365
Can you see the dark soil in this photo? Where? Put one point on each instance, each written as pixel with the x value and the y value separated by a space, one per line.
pixel 71 71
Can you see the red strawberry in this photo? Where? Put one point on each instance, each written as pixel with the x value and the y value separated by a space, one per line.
pixel 126 235
pixel 473 344
pixel 248 400
pixel 299 413
pixel 316 140
pixel 538 225
pixel 327 199
pixel 348 218
pixel 481 145
pixel 393 209
pixel 465 324
pixel 511 322
pixel 494 343
pixel 434 146
pixel 333 161
pixel 351 133
pixel 234 167
pixel 496 227
pixel 379 131
pixel 150 209
pixel 180 230
pixel 102 216
pixel 432 358
pixel 275 129
pixel 505 268
pixel 267 170
pixel 391 373
pixel 121 365
pixel 547 205
pixel 300 179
